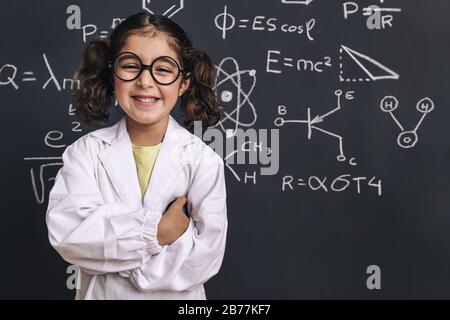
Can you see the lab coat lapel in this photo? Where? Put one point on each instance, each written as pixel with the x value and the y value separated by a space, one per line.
pixel 118 161
pixel 168 164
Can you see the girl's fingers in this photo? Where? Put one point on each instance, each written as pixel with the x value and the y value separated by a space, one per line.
pixel 181 201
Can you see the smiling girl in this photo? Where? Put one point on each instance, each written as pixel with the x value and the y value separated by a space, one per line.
pixel 116 209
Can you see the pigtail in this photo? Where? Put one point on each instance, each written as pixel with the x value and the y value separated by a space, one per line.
pixel 96 88
pixel 199 102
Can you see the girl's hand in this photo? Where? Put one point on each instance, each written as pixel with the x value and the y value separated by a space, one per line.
pixel 173 223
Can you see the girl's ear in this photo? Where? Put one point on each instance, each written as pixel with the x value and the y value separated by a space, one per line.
pixel 184 86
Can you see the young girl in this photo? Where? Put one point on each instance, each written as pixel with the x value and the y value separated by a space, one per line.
pixel 105 214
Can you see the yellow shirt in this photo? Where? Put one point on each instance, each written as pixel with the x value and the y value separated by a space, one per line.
pixel 145 157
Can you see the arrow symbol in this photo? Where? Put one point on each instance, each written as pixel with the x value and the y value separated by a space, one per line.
pixel 318 119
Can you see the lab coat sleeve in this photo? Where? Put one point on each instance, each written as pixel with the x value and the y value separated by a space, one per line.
pixel 197 254
pixel 96 236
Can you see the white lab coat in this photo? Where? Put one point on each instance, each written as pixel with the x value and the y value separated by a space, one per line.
pixel 97 220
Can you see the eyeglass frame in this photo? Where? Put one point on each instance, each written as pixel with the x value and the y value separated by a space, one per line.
pixel 148 67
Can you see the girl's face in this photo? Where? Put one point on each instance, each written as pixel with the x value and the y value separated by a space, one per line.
pixel 136 97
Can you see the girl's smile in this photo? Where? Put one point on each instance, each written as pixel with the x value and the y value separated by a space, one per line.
pixel 146 101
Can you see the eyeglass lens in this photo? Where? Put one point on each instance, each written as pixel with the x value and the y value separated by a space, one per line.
pixel 163 69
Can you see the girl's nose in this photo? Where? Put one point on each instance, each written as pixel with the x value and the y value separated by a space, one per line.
pixel 145 80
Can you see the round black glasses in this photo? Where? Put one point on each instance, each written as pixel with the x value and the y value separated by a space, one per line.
pixel 164 70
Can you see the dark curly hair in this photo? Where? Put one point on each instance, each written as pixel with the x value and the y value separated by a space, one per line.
pixel 96 93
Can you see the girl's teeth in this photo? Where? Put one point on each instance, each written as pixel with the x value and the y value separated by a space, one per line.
pixel 146 100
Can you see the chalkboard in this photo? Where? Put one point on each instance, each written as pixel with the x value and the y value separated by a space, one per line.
pixel 348 197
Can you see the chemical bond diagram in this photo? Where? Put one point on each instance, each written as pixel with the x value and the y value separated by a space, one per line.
pixel 407 138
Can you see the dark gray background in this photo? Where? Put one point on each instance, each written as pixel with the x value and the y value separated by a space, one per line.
pixel 292 244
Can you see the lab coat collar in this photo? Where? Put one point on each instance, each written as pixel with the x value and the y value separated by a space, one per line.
pixel 119 129
pixel 118 161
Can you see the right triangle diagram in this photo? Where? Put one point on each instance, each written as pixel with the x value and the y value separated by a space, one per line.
pixel 372 69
